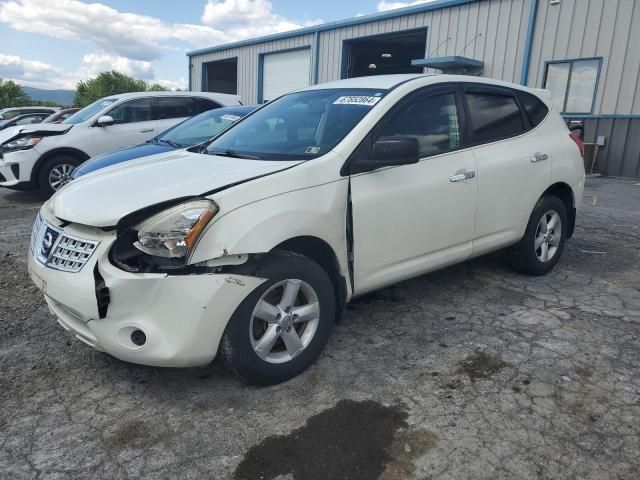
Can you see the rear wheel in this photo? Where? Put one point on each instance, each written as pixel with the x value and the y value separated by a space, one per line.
pixel 55 173
pixel 282 326
pixel 541 247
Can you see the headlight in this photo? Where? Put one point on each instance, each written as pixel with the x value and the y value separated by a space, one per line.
pixel 174 232
pixel 24 143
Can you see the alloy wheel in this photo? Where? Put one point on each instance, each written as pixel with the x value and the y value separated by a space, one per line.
pixel 548 236
pixel 60 175
pixel 284 321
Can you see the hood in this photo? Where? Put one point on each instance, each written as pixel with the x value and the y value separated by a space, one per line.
pixel 37 129
pixel 101 161
pixel 104 197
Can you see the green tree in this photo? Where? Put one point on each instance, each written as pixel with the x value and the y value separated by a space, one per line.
pixel 156 87
pixel 11 95
pixel 105 84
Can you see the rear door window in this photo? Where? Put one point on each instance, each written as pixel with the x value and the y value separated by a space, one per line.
pixel 175 107
pixel 493 116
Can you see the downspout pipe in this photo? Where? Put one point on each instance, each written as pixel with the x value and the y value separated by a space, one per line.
pixel 528 46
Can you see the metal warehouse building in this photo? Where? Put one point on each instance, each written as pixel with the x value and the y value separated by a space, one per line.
pixel 587 52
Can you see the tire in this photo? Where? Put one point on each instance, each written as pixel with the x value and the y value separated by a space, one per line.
pixel 240 347
pixel 529 258
pixel 63 164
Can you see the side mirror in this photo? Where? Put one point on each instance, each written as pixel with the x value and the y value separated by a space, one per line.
pixel 389 152
pixel 104 121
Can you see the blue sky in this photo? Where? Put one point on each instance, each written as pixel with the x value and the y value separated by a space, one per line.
pixel 55 43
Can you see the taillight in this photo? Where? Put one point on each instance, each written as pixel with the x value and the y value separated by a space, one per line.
pixel 576 138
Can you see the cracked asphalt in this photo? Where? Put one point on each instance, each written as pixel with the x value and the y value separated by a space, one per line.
pixel 469 372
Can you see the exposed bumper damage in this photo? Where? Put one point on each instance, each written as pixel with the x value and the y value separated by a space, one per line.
pixel 104 305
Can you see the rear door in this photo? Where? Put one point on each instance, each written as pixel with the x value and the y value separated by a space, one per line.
pixel 171 110
pixel 133 123
pixel 514 167
pixel 414 218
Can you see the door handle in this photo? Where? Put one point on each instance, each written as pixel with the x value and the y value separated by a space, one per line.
pixel 147 130
pixel 458 177
pixel 539 157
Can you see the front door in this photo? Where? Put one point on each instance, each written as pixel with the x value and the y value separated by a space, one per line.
pixel 133 123
pixel 414 218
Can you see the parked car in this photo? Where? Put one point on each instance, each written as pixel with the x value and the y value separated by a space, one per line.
pixel 60 115
pixel 8 113
pixel 190 132
pixel 44 156
pixel 248 247
pixel 27 119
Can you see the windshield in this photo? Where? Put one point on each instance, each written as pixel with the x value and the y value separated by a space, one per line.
pixel 200 128
pixel 303 125
pixel 89 111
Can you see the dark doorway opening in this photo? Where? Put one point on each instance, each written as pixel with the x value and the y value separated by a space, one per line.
pixel 384 54
pixel 221 76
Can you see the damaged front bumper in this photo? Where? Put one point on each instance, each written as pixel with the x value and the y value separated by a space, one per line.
pixel 182 317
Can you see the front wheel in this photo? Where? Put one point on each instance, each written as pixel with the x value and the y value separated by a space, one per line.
pixel 55 173
pixel 282 326
pixel 541 247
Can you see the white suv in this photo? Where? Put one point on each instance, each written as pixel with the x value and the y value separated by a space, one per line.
pixel 43 156
pixel 250 246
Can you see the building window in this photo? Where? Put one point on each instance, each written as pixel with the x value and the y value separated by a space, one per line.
pixel 573 84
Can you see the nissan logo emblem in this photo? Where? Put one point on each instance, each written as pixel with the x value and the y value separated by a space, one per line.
pixel 47 243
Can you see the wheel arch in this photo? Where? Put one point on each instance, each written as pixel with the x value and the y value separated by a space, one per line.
pixel 565 193
pixel 322 253
pixel 74 152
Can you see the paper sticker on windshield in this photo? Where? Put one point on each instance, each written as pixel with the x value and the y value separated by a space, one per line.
pixel 357 100
pixel 312 150
pixel 231 118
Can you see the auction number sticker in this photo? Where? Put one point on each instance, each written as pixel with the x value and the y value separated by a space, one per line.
pixel 357 100
pixel 229 117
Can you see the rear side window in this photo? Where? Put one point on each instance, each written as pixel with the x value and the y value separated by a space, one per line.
pixel 432 120
pixel 175 107
pixel 535 108
pixel 494 116
pixel 204 105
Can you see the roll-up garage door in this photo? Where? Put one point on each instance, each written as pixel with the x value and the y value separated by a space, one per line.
pixel 285 71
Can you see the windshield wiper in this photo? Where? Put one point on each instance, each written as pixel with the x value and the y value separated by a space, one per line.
pixel 171 143
pixel 233 154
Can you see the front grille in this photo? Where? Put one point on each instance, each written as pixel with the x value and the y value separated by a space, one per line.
pixel 70 254
pixel 56 249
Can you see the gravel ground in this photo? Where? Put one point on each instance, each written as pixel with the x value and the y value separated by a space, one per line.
pixel 469 372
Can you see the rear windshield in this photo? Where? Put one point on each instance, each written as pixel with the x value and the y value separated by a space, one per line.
pixel 302 125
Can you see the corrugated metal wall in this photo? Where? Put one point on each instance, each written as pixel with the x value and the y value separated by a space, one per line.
pixel 598 28
pixel 247 63
pixel 502 25
pixel 494 31
pixel 593 28
pixel 620 157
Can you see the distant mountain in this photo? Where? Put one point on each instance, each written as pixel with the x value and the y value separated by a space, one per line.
pixel 61 97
